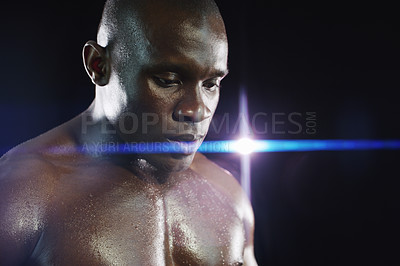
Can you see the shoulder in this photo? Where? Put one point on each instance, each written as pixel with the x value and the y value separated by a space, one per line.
pixel 36 162
pixel 25 189
pixel 225 182
pixel 29 171
pixel 29 166
pixel 23 177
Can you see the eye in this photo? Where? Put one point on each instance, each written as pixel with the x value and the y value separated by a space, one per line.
pixel 167 82
pixel 212 85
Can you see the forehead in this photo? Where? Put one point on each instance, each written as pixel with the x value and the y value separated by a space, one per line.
pixel 191 42
pixel 165 35
pixel 188 45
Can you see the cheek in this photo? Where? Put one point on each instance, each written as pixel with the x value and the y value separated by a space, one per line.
pixel 157 100
pixel 212 102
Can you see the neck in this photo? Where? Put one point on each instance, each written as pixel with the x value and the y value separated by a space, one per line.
pixel 99 139
pixel 147 172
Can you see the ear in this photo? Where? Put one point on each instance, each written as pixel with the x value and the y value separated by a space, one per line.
pixel 96 61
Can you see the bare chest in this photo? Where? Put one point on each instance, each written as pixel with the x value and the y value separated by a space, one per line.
pixel 190 224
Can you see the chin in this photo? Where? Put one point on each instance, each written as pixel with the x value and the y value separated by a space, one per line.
pixel 171 162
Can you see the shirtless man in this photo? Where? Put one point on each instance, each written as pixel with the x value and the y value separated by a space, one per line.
pixel 64 205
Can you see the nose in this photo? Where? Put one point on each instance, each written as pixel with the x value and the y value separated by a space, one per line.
pixel 191 109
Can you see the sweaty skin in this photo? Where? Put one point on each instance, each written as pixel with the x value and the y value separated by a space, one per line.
pixel 64 205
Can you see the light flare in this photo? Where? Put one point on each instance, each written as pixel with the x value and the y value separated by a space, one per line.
pixel 244 146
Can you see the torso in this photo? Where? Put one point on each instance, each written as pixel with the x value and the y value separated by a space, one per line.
pixel 76 210
pixel 100 214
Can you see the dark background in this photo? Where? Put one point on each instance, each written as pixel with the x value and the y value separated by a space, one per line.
pixel 340 61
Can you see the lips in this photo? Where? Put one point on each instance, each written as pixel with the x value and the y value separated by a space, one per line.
pixel 185 143
pixel 184 138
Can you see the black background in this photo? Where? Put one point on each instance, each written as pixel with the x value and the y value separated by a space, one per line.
pixel 340 61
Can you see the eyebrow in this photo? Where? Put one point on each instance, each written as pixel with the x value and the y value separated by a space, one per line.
pixel 222 73
pixel 182 68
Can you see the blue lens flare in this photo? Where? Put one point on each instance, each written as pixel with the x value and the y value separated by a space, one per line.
pixel 243 146
pixel 228 146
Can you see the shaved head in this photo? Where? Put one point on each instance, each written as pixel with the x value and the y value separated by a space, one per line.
pixel 132 18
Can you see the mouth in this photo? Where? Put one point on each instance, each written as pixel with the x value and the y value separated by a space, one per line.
pixel 186 143
pixel 184 138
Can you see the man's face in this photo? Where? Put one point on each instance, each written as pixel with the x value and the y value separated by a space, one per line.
pixel 164 87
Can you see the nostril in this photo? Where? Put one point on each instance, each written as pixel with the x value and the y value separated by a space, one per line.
pixel 191 112
pixel 187 119
pixel 184 116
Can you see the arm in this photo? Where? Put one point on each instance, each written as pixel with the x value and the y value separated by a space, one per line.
pixel 20 211
pixel 248 222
